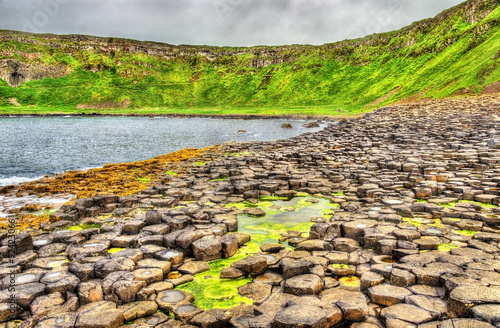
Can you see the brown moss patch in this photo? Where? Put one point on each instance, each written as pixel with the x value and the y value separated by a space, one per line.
pixel 120 179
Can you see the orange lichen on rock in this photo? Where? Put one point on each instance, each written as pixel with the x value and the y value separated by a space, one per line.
pixel 120 179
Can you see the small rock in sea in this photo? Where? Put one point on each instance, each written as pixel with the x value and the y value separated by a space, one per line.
pixel 242 131
pixel 286 126
pixel 311 125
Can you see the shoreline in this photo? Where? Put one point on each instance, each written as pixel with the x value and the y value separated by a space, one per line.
pixel 326 118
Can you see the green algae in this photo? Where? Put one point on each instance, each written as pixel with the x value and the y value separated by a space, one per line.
pixel 465 232
pixel 170 173
pixel 143 180
pixel 422 201
pixel 212 292
pixel 221 179
pixel 272 198
pixel 415 221
pixel 350 281
pixel 239 154
pixel 115 250
pixel 338 194
pixel 452 204
pixel 200 163
pixel 447 247
pixel 83 226
pixel 485 205
pixel 339 266
pixel 275 231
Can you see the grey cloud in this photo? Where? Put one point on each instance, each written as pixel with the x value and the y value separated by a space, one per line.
pixel 218 22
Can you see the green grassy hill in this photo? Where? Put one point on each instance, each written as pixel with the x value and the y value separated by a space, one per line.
pixel 457 52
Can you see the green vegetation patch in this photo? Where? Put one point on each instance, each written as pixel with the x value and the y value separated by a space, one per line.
pixel 114 250
pixel 221 179
pixel 447 247
pixel 83 226
pixel 465 232
pixel 212 292
pixel 436 58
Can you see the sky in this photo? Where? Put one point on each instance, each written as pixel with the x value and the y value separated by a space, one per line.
pixel 218 22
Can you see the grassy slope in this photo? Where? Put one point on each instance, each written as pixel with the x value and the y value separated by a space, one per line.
pixel 434 58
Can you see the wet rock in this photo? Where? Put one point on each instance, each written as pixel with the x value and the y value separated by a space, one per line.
pixel 313 245
pixel 99 315
pixel 304 284
pixel 132 254
pixel 215 318
pixel 90 292
pixel 59 281
pixel 231 273
pixel 8 311
pixel 106 266
pixel 487 312
pixel 185 312
pixel 65 320
pixel 168 299
pixel 254 211
pixel 258 292
pixel 84 271
pixel 149 275
pixel 436 306
pixel 45 304
pixel 230 245
pixel 271 278
pixel 207 248
pixel 272 248
pixel 136 310
pixel 370 279
pixel 20 279
pixel 345 245
pixel 300 315
pixel 194 267
pixel 164 266
pixel 388 295
pixel 251 265
pixel 464 323
pixel 402 278
pixel 407 313
pixel 23 242
pixel 353 304
pixel 286 126
pixel 462 298
pixel 291 267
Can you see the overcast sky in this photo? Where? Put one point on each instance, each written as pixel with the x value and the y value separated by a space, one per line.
pixel 218 22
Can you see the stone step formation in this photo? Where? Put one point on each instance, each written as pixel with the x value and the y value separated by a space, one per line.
pixel 414 241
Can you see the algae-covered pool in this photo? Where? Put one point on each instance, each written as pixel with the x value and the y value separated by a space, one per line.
pixel 282 216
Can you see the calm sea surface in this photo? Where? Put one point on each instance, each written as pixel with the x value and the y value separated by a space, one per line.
pixel 31 147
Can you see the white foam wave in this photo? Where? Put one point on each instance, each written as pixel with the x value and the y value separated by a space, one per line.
pixel 16 180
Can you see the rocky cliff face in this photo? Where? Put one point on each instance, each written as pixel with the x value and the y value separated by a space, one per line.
pixel 19 66
pixel 15 72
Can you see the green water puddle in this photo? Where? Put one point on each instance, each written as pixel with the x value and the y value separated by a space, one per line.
pixel 282 216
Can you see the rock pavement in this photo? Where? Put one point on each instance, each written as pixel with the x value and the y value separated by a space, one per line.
pixel 414 241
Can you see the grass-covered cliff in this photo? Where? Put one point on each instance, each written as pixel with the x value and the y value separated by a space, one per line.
pixel 456 52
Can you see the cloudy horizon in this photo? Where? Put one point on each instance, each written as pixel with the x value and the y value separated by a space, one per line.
pixel 218 22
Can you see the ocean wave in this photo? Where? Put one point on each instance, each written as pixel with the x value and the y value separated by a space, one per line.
pixel 16 180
